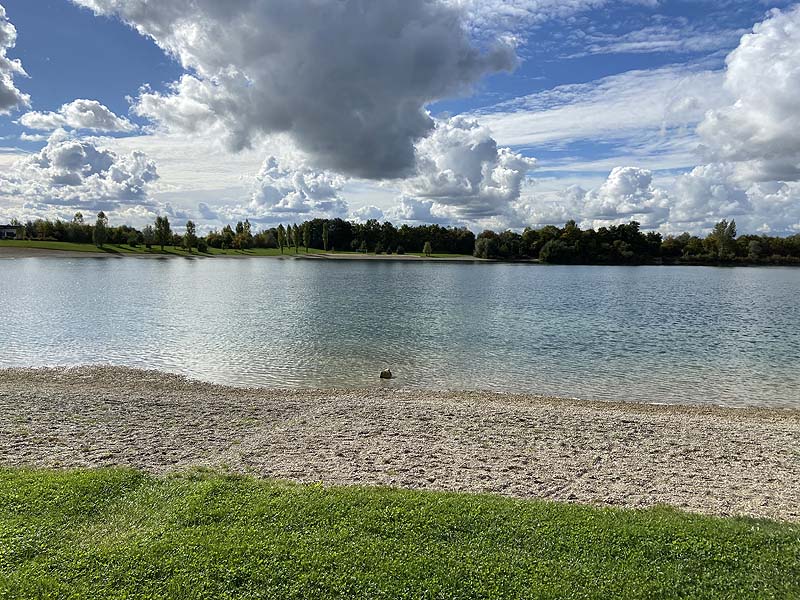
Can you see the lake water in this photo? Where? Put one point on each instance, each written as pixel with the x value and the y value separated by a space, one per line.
pixel 654 334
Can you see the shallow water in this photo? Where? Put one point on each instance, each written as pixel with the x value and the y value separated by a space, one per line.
pixel 654 334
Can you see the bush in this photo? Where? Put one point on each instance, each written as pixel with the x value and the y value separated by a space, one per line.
pixel 401 250
pixel 202 245
pixel 133 240
pixel 378 248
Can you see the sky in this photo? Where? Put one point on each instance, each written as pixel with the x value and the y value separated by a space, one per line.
pixel 479 113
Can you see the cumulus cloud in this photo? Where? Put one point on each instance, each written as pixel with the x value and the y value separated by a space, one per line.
pixel 76 172
pixel 295 191
pixel 365 213
pixel 707 194
pixel 761 128
pixel 10 97
pixel 348 80
pixel 78 114
pixel 460 167
pixel 628 194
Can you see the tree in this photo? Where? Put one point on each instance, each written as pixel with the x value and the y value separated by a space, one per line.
pixel 754 250
pixel 149 236
pixel 77 219
pixel 325 234
pixel 724 236
pixel 378 248
pixel 307 235
pixel 426 249
pixel 281 238
pixel 296 238
pixel 100 229
pixel 163 232
pixel 189 238
pixel 363 247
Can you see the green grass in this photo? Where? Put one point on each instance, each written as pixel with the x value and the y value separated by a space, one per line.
pixel 112 249
pixel 118 249
pixel 123 534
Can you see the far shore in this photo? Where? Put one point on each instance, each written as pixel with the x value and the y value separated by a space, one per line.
pixel 12 252
pixel 708 460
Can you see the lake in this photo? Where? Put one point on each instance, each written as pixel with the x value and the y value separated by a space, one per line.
pixel 655 334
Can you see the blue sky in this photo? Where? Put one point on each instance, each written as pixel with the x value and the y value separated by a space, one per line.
pixel 598 85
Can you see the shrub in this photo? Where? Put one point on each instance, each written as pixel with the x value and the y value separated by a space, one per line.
pixel 401 250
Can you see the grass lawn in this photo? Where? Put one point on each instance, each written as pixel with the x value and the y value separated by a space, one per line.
pixel 123 534
pixel 156 250
pixel 174 250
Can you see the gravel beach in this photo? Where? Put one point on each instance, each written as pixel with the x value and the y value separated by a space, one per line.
pixel 708 460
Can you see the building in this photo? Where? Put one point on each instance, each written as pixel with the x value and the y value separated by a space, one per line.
pixel 8 232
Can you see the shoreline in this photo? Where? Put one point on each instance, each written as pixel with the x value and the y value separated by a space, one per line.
pixel 13 252
pixel 709 460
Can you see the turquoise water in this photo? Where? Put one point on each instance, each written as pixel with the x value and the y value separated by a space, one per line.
pixel 655 334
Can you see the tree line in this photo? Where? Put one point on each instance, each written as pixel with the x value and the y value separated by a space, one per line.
pixel 321 234
pixel 614 245
pixel 628 244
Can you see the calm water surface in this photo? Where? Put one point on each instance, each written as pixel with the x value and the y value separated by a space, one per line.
pixel 686 335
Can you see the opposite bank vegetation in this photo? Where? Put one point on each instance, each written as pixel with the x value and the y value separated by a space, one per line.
pixel 624 244
pixel 124 534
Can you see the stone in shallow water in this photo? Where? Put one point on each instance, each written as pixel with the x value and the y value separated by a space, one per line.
pixel 386 374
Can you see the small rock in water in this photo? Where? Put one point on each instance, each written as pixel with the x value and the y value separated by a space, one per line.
pixel 386 374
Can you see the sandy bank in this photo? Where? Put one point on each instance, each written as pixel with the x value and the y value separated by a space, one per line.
pixel 709 460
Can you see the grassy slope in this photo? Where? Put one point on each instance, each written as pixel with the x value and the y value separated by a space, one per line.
pixel 125 249
pixel 116 533
pixel 169 250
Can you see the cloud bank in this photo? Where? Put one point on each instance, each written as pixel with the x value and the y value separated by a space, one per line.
pixel 10 97
pixel 347 80
pixel 77 173
pixel 78 114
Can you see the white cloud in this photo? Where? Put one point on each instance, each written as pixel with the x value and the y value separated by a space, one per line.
pixel 515 16
pixel 77 173
pixel 295 192
pixel 460 166
pixel 635 105
pixel 347 80
pixel 760 129
pixel 78 114
pixel 628 194
pixel 365 213
pixel 10 97
pixel 705 195
pixel 673 36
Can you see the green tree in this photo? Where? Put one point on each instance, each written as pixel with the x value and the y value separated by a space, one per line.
pixel 190 237
pixel 363 247
pixel 100 229
pixel 296 238
pixel 307 235
pixel 724 236
pixel 163 232
pixel 427 249
pixel 149 236
pixel 325 234
pixel 281 238
pixel 754 250
pixel 78 218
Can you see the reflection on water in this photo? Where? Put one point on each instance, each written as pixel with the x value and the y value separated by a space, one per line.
pixel 699 335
